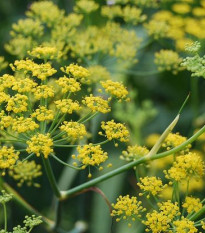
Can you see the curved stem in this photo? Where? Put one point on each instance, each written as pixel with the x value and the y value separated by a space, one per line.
pixel 64 163
pixel 51 177
pixel 66 194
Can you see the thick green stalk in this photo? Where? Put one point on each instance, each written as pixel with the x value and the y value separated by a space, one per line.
pixel 5 217
pixel 51 177
pixel 66 194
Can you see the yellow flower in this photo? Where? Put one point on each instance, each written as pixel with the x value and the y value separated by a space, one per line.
pixel 68 84
pixel 40 144
pixel 128 208
pixel 78 72
pixel 46 11
pixel 43 91
pixel 96 104
pixel 67 105
pixel 74 130
pixel 3 97
pixel 41 71
pixel 115 131
pixel 168 60
pixel 181 8
pixel 171 210
pixel 156 222
pixel 185 225
pixel 22 125
pixel 116 89
pixel 85 6
pixel 26 172
pixel 174 140
pixel 134 152
pixel 20 45
pixel 158 29
pixel 185 167
pixel 90 155
pixel 5 121
pixel 151 185
pixel 28 28
pixel 17 103
pixel 24 85
pixel 45 52
pixel 6 81
pixel 8 157
pixel 43 114
pixel 192 204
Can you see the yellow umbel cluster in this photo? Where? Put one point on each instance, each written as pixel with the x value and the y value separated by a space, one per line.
pixel 85 6
pixel 22 125
pixel 5 121
pixel 192 204
pixel 24 85
pixel 90 155
pixel 134 152
pixel 186 167
pixel 43 114
pixel 184 225
pixel 174 140
pixel 50 16
pixel 40 144
pixel 26 172
pixel 41 71
pixel 17 103
pixel 115 131
pixel 3 97
pixel 45 53
pixel 159 221
pixel 6 81
pixel 115 89
pixel 168 60
pixel 128 208
pixel 74 130
pixel 43 91
pixel 151 186
pixel 8 157
pixel 96 104
pixel 78 72
pixel 68 84
pixel 67 105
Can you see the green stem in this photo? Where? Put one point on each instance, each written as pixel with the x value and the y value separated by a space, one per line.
pixel 66 194
pixel 5 217
pixel 51 177
pixel 95 144
pixel 12 140
pixel 56 126
pixel 64 163
pixel 197 214
pixel 87 119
